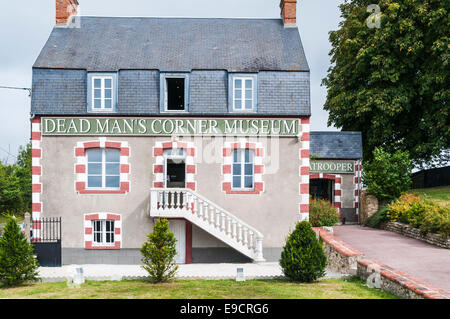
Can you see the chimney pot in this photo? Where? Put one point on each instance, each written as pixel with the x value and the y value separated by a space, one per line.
pixel 289 12
pixel 65 9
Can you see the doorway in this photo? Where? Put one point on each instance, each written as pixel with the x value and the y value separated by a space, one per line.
pixel 322 189
pixel 175 168
pixel 178 228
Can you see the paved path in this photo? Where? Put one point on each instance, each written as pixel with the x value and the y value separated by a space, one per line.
pixel 204 271
pixel 416 258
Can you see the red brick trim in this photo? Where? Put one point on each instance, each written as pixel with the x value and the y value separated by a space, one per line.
pixel 417 286
pixel 304 139
pixel 81 166
pixel 36 172
pixel 258 168
pixel 158 167
pixel 337 186
pixel 88 230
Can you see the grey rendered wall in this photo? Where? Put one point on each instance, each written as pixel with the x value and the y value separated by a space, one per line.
pixel 273 212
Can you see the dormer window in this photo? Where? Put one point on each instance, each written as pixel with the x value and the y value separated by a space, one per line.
pixel 174 92
pixel 102 92
pixel 243 93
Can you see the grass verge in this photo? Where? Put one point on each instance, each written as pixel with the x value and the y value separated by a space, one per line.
pixel 352 288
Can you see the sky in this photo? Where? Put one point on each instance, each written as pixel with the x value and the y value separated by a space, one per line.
pixel 26 25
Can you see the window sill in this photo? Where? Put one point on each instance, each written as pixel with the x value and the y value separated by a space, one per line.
pixel 258 189
pixel 82 189
pixel 169 111
pixel 90 246
pixel 101 111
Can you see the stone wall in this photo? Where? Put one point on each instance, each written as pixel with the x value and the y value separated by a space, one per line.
pixel 409 231
pixel 369 206
pixel 396 282
pixel 343 258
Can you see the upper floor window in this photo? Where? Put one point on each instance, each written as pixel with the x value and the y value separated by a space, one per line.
pixel 243 93
pixel 102 92
pixel 174 92
pixel 103 168
pixel 243 169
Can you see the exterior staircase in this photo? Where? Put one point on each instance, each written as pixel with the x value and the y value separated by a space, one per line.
pixel 187 204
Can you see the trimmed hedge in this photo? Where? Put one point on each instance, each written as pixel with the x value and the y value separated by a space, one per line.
pixel 303 258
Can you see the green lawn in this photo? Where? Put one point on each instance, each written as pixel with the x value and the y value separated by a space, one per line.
pixel 440 194
pixel 199 289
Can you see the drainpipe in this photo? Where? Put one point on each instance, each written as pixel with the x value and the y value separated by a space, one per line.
pixel 359 191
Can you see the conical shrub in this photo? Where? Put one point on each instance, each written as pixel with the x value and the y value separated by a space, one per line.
pixel 17 261
pixel 303 258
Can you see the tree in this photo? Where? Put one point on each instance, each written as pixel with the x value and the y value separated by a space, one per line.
pixel 159 252
pixel 391 82
pixel 302 258
pixel 387 175
pixel 23 173
pixel 16 184
pixel 11 200
pixel 17 261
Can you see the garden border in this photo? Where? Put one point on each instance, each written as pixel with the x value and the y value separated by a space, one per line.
pixel 412 232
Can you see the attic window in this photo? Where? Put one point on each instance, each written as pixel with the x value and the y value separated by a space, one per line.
pixel 175 94
pixel 102 92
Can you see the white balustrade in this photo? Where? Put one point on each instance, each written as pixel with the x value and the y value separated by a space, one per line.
pixel 185 203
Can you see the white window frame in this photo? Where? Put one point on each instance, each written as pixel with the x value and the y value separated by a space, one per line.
pixel 102 79
pixel 164 92
pixel 180 154
pixel 242 173
pixel 103 174
pixel 103 232
pixel 243 94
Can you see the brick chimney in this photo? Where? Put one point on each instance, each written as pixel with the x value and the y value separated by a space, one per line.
pixel 289 12
pixel 65 9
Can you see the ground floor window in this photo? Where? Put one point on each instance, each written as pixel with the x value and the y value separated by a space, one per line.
pixel 103 231
pixel 322 189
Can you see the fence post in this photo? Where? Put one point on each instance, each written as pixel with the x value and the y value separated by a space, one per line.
pixel 27 222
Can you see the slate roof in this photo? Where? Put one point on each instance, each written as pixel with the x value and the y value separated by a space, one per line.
pixel 174 44
pixel 336 145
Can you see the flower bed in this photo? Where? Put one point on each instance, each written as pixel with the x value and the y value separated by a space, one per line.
pixel 425 215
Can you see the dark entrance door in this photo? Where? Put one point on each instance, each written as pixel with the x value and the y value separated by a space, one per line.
pixel 322 189
pixel 46 241
pixel 175 173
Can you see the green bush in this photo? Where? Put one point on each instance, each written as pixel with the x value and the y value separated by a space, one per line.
pixel 322 213
pixel 424 214
pixel 17 261
pixel 387 175
pixel 376 219
pixel 159 252
pixel 303 258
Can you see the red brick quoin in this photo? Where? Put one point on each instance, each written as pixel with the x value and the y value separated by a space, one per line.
pixel 81 166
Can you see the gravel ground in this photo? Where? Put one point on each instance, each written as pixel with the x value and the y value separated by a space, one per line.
pixel 190 271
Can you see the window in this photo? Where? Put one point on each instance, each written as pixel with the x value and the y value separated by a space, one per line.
pixel 174 92
pixel 243 169
pixel 103 169
pixel 102 92
pixel 103 231
pixel 243 94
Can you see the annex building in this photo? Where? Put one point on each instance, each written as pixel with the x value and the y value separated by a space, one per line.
pixel 205 122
